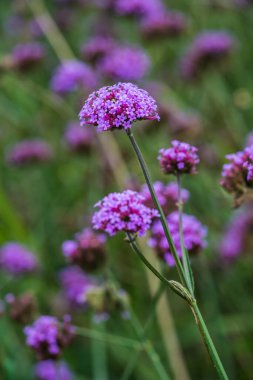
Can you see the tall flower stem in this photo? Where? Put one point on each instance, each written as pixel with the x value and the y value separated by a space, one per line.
pixel 191 301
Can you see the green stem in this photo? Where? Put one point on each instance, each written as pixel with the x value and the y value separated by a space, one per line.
pixel 158 206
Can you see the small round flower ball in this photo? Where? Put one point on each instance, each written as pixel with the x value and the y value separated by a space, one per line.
pixel 16 259
pixel 78 138
pixel 27 55
pixel 125 63
pixel 47 336
pixel 181 158
pixel 137 7
pixel 87 250
pixel 118 107
pixel 123 212
pixel 97 47
pixel 72 75
pixel 29 152
pixel 194 236
pixel 52 370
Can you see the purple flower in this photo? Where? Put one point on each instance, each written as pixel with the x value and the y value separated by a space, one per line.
pixel 71 75
pixel 163 23
pixel 52 370
pixel 166 194
pixel 194 236
pixel 137 7
pixel 125 63
pixel 87 250
pixel 123 212
pixel 249 140
pixel 97 47
pixel 78 138
pixel 47 336
pixel 117 107
pixel 181 158
pixel 75 284
pixel 27 55
pixel 181 121
pixel 16 259
pixel 29 151
pixel 207 47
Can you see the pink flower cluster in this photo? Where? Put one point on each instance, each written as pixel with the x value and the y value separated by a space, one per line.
pixel 181 158
pixel 123 212
pixel 97 47
pixel 52 370
pixel 117 107
pixel 27 55
pixel 29 151
pixel 16 259
pixel 79 139
pixel 137 7
pixel 194 236
pixel 163 23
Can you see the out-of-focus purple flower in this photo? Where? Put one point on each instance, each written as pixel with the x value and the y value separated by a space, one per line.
pixel 125 63
pixel 137 7
pixel 234 239
pixel 47 336
pixel 181 121
pixel 52 370
pixel 166 194
pixel 29 151
pixel 123 212
pixel 21 309
pixel 249 139
pixel 75 285
pixel 72 75
pixel 97 47
pixel 194 236
pixel 87 250
pixel 16 259
pixel 163 23
pixel 207 47
pixel 181 158
pixel 27 55
pixel 117 107
pixel 78 138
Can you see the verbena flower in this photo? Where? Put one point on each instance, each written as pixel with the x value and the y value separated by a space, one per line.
pixel 47 336
pixel 193 231
pixel 75 284
pixel 117 107
pixel 167 195
pixel 22 308
pixel 52 370
pixel 27 55
pixel 125 63
pixel 181 158
pixel 97 47
pixel 17 259
pixel 79 139
pixel 72 75
pixel 123 212
pixel 137 7
pixel 87 250
pixel 163 23
pixel 29 151
pixel 207 47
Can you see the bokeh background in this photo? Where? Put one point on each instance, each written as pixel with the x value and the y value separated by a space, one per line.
pixel 43 204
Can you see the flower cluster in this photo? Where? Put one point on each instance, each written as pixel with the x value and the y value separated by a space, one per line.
pixel 206 48
pixel 163 24
pixel 117 107
pixel 167 195
pixel 52 370
pixel 193 231
pixel 29 151
pixel 47 336
pixel 27 55
pixel 137 7
pixel 123 212
pixel 22 308
pixel 87 250
pixel 79 139
pixel 16 259
pixel 97 47
pixel 75 285
pixel 125 63
pixel 72 75
pixel 181 158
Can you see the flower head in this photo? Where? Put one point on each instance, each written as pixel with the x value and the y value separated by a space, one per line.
pixel 97 47
pixel 27 55
pixel 181 158
pixel 29 151
pixel 163 24
pixel 87 250
pixel 16 259
pixel 123 212
pixel 194 236
pixel 117 107
pixel 79 139
pixel 71 75
pixel 125 63
pixel 52 370
pixel 137 7
pixel 47 336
